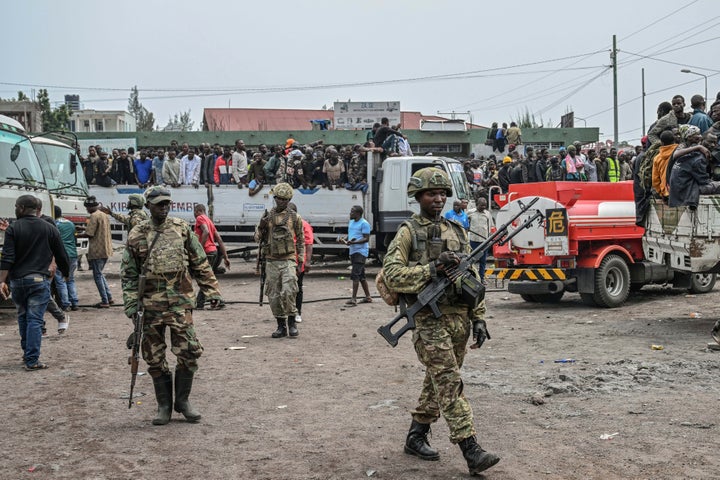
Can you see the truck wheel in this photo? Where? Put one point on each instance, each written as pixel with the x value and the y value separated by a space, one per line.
pixel 549 297
pixel 528 298
pixel 612 282
pixel 702 282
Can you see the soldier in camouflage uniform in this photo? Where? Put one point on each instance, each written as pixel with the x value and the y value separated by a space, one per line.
pixel 173 261
pixel 136 215
pixel 426 246
pixel 280 234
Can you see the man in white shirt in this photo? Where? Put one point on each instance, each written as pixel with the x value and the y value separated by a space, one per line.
pixel 190 169
pixel 239 164
pixel 481 222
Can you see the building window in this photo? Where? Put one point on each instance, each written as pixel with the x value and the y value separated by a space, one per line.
pixel 98 125
pixel 72 126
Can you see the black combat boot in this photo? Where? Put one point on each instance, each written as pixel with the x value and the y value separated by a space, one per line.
pixel 183 386
pixel 417 442
pixel 281 330
pixel 478 460
pixel 164 396
pixel 292 326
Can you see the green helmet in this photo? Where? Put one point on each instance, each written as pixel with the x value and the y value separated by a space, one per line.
pixel 282 190
pixel 429 178
pixel 135 201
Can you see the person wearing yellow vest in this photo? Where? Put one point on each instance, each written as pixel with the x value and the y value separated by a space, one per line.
pixel 613 167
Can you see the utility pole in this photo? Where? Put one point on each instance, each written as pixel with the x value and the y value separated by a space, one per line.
pixel 643 100
pixel 613 56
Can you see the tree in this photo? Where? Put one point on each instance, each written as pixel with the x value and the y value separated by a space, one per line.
pixel 527 120
pixel 22 97
pixel 144 119
pixel 180 123
pixel 52 119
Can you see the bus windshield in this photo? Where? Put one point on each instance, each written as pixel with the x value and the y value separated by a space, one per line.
pixel 459 181
pixel 55 163
pixel 25 169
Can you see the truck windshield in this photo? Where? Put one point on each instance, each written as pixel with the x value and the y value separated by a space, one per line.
pixel 459 180
pixel 55 163
pixel 25 170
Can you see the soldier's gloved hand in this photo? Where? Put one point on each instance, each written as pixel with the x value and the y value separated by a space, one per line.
pixel 480 333
pixel 130 341
pixel 445 261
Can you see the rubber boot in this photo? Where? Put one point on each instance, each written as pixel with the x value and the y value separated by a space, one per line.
pixel 417 442
pixel 292 326
pixel 478 460
pixel 164 396
pixel 281 330
pixel 183 386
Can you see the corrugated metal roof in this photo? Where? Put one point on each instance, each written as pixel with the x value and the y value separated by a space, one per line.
pixel 264 119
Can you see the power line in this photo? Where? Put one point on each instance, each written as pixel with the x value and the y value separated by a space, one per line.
pixel 654 22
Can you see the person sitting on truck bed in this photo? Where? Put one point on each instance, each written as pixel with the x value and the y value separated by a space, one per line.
pixel 660 163
pixel 688 173
pixel 333 169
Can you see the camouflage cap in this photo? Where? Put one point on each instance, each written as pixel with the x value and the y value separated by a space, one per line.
pixel 157 194
pixel 136 201
pixel 429 178
pixel 282 190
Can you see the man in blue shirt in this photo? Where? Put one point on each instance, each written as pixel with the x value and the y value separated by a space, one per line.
pixel 458 215
pixel 143 170
pixel 699 118
pixel 357 239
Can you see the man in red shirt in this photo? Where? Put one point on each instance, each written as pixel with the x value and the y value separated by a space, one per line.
pixel 309 239
pixel 208 235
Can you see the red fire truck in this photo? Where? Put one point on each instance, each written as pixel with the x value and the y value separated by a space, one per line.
pixel 587 243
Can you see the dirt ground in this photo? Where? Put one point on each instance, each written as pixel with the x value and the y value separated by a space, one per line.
pixel 333 403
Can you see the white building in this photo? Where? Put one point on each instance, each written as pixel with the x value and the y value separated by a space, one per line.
pixel 102 121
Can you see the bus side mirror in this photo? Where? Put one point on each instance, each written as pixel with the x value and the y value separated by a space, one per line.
pixel 73 163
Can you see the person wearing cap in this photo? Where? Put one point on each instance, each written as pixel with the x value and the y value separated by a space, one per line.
pixel 689 177
pixel 504 174
pixel 97 230
pixel 136 214
pixel 440 343
pixel 282 241
pixel 167 251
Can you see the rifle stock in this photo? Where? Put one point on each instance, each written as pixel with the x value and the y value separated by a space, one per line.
pixel 434 290
pixel 134 359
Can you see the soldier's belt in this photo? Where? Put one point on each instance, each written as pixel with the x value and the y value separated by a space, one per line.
pixel 534 274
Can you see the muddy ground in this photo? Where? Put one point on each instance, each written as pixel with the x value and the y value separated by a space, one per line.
pixel 333 404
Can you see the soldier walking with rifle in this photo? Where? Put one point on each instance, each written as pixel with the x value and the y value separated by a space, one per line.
pixel 425 248
pixel 282 243
pixel 165 255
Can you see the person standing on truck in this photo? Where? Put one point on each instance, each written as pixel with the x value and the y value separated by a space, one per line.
pixel 426 246
pixel 136 215
pixel 282 241
pixel 689 177
pixel 677 116
pixel 239 162
pixel 190 169
pixel 171 169
pixel 157 166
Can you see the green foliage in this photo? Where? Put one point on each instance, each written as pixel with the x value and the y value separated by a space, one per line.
pixel 527 120
pixel 144 119
pixel 180 123
pixel 52 119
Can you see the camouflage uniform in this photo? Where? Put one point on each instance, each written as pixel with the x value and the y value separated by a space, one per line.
pixel 440 343
pixel 175 260
pixel 136 214
pixel 281 256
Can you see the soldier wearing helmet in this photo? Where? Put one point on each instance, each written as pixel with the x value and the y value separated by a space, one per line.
pixel 426 246
pixel 282 244
pixel 136 215
pixel 170 256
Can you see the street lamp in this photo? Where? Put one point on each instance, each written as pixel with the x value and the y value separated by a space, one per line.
pixel 687 70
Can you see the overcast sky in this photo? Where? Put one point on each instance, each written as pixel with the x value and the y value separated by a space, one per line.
pixel 549 57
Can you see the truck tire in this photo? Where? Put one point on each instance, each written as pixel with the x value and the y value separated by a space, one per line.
pixel 702 282
pixel 549 297
pixel 612 282
pixel 528 298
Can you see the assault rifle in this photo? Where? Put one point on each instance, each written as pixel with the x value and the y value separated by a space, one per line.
pixel 260 265
pixel 137 335
pixel 435 289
